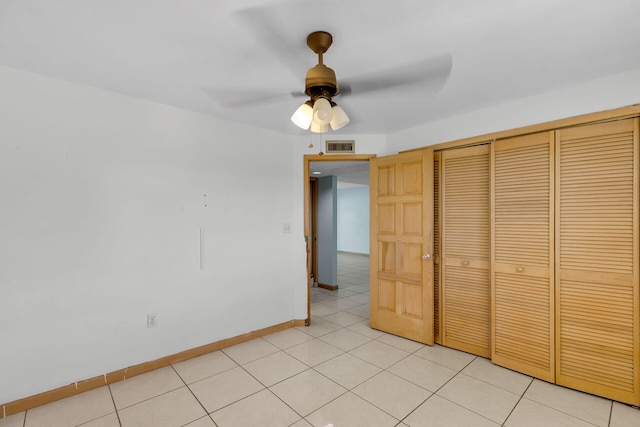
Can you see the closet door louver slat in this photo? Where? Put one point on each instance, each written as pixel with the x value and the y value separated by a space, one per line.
pixel 436 248
pixel 597 260
pixel 522 257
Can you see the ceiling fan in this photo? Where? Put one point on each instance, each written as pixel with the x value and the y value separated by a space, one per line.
pixel 268 25
pixel 321 86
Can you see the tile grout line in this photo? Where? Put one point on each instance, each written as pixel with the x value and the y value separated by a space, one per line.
pixel 359 384
pixel 440 388
pixel 114 405
pixel 269 387
pixel 147 399
pixel 302 417
pixel 518 402
pixel 566 413
pixel 409 353
pixel 347 390
pixel 195 397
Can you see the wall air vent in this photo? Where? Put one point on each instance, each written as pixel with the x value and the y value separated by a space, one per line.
pixel 340 146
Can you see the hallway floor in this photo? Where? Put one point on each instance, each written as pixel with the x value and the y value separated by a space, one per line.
pixel 336 371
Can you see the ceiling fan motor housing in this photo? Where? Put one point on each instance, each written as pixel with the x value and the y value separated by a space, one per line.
pixel 321 81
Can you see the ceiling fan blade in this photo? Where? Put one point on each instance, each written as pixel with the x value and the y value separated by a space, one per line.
pixel 265 23
pixel 245 98
pixel 426 75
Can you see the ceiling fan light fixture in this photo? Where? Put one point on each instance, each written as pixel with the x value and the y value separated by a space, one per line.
pixel 318 128
pixel 321 86
pixel 303 115
pixel 339 118
pixel 322 111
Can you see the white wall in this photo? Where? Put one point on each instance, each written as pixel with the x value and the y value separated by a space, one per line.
pixel 102 198
pixel 326 228
pixel 597 95
pixel 353 220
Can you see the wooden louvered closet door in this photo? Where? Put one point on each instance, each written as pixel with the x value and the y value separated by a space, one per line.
pixel 597 336
pixel 522 255
pixel 464 233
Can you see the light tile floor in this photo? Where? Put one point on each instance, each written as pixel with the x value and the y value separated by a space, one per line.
pixel 336 371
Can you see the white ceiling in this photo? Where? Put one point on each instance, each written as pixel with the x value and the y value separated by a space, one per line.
pixel 210 55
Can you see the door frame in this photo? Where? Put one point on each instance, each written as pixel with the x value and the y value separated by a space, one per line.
pixel 308 158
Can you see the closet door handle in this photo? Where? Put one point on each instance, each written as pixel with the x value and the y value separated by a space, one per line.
pixel 465 262
pixel 426 257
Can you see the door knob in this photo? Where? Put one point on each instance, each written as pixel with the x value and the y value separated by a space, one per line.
pixel 426 257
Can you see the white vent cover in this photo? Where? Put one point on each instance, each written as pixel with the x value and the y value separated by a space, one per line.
pixel 340 146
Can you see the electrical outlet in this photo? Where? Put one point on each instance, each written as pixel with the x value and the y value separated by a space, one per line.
pixel 152 320
pixel 286 227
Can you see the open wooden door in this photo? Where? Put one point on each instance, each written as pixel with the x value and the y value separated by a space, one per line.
pixel 402 245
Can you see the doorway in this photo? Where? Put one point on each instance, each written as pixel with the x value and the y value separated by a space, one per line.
pixel 347 170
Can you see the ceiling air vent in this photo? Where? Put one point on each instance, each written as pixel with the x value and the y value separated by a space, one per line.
pixel 341 146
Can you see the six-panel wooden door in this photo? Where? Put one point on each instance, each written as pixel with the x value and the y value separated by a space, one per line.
pixel 401 265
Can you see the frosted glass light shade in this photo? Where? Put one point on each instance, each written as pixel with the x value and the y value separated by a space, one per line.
pixel 322 111
pixel 339 118
pixel 303 116
pixel 318 128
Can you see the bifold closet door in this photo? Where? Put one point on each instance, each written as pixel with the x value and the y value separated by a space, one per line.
pixel 522 255
pixel 597 312
pixel 464 239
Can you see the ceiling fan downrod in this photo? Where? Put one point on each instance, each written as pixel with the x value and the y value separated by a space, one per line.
pixel 320 80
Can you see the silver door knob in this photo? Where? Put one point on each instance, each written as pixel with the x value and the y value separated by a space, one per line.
pixel 426 257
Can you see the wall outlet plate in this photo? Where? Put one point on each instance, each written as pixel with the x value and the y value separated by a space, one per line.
pixel 152 320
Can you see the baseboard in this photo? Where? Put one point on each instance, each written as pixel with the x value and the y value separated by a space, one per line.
pixel 112 377
pixel 329 287
pixel 300 322
pixel 354 253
